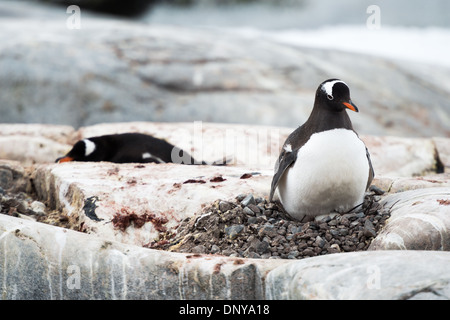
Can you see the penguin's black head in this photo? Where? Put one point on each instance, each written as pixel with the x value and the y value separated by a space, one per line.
pixel 83 150
pixel 335 94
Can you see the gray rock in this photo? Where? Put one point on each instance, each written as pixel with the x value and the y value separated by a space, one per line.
pixel 225 206
pixel 416 155
pixel 259 247
pixel 57 185
pixel 38 207
pixel 234 230
pixel 251 219
pixel 14 177
pixel 188 74
pixel 319 242
pixel 420 220
pixel 39 261
pixel 397 184
pixel 380 275
pixel 248 200
pixel 6 178
pixel 249 211
pixel 267 230
pixel 199 249
pixel 43 262
pixel 369 229
pixel 215 249
pixel 35 143
pixel 254 208
pixel 32 143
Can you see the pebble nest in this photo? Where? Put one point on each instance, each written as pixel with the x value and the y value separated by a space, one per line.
pixel 252 227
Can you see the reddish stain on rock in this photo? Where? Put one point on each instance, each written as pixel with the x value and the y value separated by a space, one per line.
pixel 443 202
pixel 176 186
pixel 123 219
pixel 217 179
pixel 217 267
pixel 194 181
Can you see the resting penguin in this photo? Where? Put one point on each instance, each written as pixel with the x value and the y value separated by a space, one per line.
pixel 127 147
pixel 323 166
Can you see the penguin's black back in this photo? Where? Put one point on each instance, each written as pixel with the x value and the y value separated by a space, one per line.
pixel 132 147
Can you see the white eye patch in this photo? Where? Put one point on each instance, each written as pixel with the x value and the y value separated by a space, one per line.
pixel 328 88
pixel 89 147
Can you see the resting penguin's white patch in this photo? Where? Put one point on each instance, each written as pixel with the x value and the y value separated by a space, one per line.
pixel 148 155
pixel 328 86
pixel 89 147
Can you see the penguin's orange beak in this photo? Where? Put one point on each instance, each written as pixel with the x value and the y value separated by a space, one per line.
pixel 64 159
pixel 350 106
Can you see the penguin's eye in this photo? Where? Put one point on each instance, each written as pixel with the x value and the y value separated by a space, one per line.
pixel 330 97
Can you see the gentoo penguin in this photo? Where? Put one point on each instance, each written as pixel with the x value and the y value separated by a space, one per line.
pixel 323 165
pixel 127 147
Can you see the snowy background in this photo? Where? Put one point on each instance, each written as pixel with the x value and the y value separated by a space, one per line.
pixel 416 30
pixel 257 62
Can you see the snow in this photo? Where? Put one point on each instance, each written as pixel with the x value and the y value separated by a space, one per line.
pixel 408 30
pixel 424 45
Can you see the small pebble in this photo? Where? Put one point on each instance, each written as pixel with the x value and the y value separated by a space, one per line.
pixel 248 200
pixel 38 208
pixel 254 208
pixel 225 206
pixel 214 249
pixel 249 211
pixel 234 230
pixel 369 229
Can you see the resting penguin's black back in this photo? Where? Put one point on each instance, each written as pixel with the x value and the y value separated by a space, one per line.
pixel 137 147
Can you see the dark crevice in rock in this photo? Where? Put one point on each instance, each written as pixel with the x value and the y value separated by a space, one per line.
pixel 19 198
pixel 414 293
pixel 439 166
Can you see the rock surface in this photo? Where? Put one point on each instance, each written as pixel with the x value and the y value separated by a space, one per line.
pixel 172 73
pixel 246 145
pixel 34 143
pixel 93 195
pixel 38 261
pixel 395 156
pixel 420 220
pixel 125 207
pixel 381 275
pixel 56 263
pixel 132 203
pixel 14 177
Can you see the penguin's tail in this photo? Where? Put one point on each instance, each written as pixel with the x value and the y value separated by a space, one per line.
pixel 221 162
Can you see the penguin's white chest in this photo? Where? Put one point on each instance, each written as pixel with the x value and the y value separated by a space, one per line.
pixel 330 173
